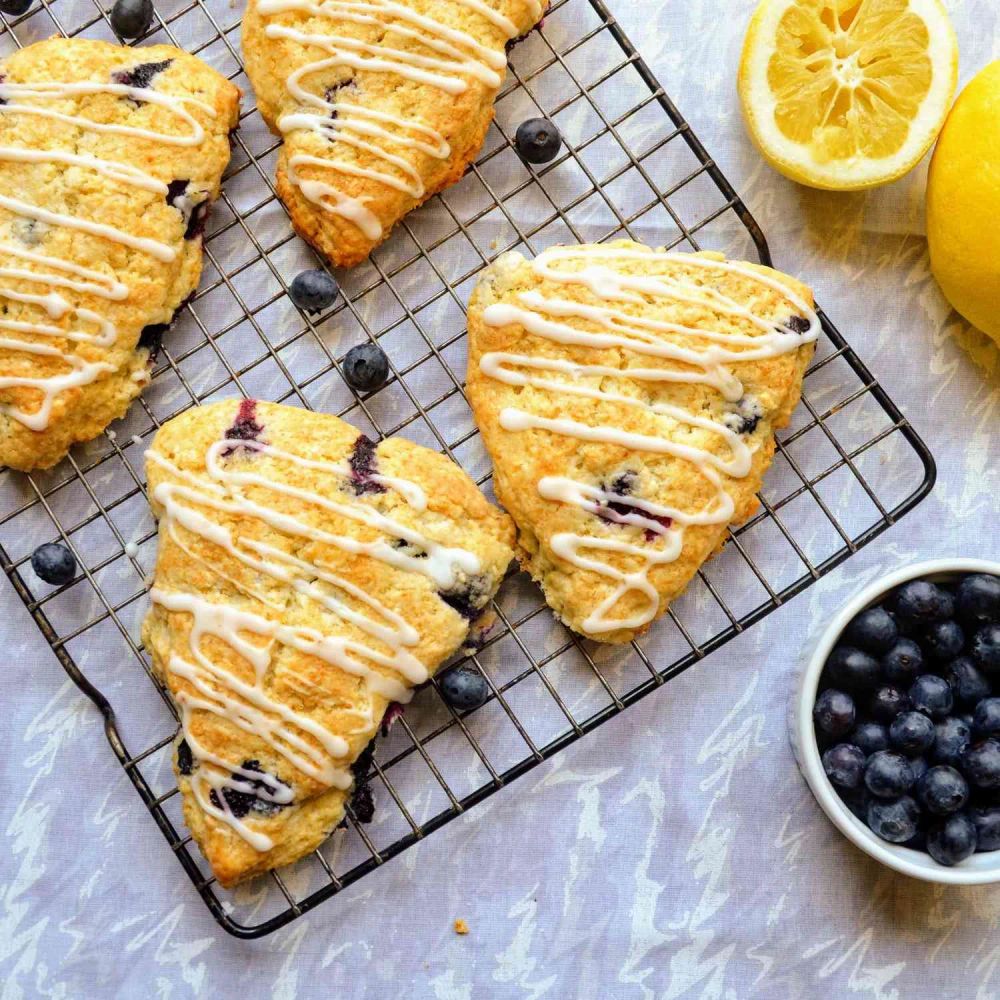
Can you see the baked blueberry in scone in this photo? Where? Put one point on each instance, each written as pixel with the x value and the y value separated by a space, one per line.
pixel 109 160
pixel 307 578
pixel 380 103
pixel 629 399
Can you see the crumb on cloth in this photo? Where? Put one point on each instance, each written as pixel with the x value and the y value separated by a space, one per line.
pixel 461 927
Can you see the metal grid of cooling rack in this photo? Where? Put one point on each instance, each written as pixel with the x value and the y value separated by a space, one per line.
pixel 847 468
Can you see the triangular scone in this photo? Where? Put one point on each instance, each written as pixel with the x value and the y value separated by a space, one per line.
pixel 110 157
pixel 629 398
pixel 380 103
pixel 305 579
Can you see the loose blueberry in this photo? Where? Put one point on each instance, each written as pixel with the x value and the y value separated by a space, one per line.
pixel 888 702
pixel 888 774
pixel 853 670
pixel 920 602
pixel 967 684
pixel 912 733
pixel 869 737
pixel 931 695
pixel 951 737
pixel 980 764
pixel 834 713
pixel 53 563
pixel 942 790
pixel 131 18
pixel 986 718
pixel 977 599
pixel 15 7
pixel 313 291
pixel 895 821
pixel 464 688
pixel 844 765
pixel 944 640
pixel 986 820
pixel 952 840
pixel 985 648
pixel 537 140
pixel 366 367
pixel 903 663
pixel 873 631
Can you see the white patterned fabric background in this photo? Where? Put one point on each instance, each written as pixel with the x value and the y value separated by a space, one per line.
pixel 676 851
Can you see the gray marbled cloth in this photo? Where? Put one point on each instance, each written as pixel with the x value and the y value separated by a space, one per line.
pixel 676 852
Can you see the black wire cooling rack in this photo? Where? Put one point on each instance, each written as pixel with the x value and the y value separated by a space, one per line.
pixel 848 467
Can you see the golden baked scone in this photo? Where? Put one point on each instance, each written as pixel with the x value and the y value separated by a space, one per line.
pixel 380 103
pixel 305 578
pixel 629 398
pixel 109 159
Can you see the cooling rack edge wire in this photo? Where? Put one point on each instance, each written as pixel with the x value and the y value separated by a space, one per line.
pixel 154 803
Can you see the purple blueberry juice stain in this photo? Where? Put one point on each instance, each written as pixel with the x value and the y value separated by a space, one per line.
pixel 245 427
pixel 362 464
pixel 393 712
pixel 615 512
pixel 244 798
pixel 139 76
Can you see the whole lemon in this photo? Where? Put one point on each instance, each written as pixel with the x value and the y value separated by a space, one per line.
pixel 963 204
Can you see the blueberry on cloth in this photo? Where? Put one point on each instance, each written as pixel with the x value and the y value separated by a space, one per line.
pixel 942 790
pixel 874 631
pixel 894 820
pixel 834 713
pixel 313 291
pixel 931 695
pixel 366 367
pixel 888 774
pixel 464 688
pixel 15 7
pixel 903 663
pixel 911 732
pixel 53 563
pixel 537 140
pixel 852 670
pixel 131 18
pixel 977 599
pixel 952 839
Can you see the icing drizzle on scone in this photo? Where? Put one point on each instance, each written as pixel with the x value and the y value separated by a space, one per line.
pixel 449 56
pixel 58 275
pixel 603 326
pixel 232 489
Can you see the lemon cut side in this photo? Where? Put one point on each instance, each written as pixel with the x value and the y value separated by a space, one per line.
pixel 847 94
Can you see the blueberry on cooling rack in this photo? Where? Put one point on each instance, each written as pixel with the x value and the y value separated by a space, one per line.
pixel 313 291
pixel 131 18
pixel 464 688
pixel 366 367
pixel 53 563
pixel 537 140
pixel 15 7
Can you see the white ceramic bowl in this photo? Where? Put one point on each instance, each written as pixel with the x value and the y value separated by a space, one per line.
pixel 978 869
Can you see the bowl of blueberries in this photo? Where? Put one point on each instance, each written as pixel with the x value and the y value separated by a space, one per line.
pixel 896 722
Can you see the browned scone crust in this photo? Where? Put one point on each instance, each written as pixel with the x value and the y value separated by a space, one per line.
pixel 156 288
pixel 524 457
pixel 192 566
pixel 377 30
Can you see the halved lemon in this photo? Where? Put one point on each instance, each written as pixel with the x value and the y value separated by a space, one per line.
pixel 847 94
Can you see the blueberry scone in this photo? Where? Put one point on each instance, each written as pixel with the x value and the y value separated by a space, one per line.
pixel 380 103
pixel 629 398
pixel 109 159
pixel 306 578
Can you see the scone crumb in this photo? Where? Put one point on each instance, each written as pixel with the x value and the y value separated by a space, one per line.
pixel 461 927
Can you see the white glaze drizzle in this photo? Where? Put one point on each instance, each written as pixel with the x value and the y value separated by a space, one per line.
pixel 387 137
pixel 306 745
pixel 29 99
pixel 610 327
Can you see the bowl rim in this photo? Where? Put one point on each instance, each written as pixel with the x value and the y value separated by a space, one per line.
pixel 894 856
